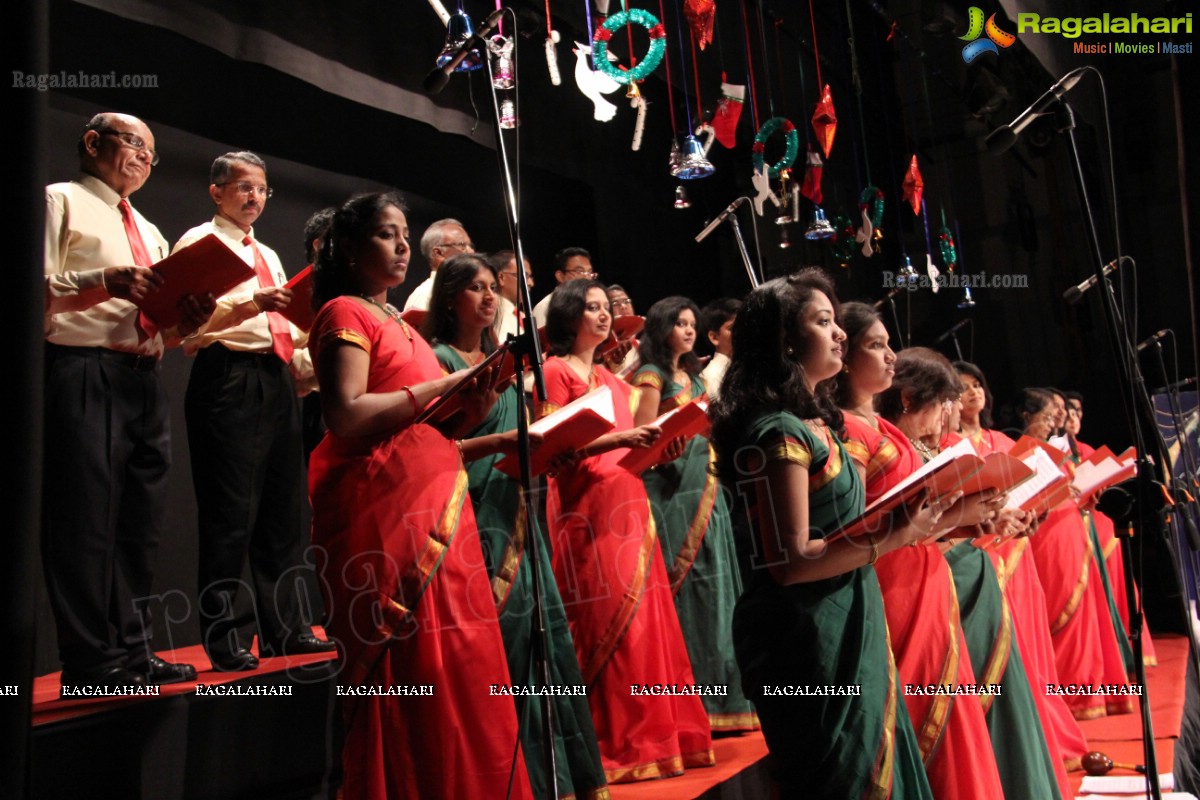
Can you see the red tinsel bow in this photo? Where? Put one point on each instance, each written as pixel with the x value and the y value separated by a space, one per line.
pixel 700 15
pixel 913 186
pixel 824 121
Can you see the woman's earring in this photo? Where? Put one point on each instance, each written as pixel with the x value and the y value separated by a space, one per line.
pixel 904 410
pixel 788 351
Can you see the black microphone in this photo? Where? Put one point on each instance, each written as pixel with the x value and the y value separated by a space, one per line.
pixel 953 329
pixel 1152 339
pixel 1003 138
pixel 437 79
pixel 1073 294
pixel 717 220
pixel 895 290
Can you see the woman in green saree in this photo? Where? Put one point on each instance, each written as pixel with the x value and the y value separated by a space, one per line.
pixel 810 630
pixel 692 515
pixel 460 323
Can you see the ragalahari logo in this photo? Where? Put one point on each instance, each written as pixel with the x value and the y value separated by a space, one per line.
pixel 996 38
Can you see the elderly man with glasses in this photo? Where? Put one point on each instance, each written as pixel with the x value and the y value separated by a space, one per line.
pixel 243 420
pixel 107 424
pixel 441 240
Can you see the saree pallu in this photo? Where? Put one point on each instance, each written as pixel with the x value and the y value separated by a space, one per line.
pixel 691 516
pixel 407 594
pixel 1085 643
pixel 1022 753
pixel 921 605
pixel 610 573
pixel 800 647
pixel 1110 554
pixel 500 518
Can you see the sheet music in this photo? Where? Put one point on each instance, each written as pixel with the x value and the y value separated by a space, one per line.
pixel 1044 472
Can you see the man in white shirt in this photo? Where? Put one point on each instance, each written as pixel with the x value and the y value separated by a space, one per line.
pixel 243 422
pixel 107 431
pixel 505 264
pixel 570 263
pixel 442 239
pixel 716 328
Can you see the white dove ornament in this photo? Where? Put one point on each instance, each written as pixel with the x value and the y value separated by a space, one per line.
pixel 594 85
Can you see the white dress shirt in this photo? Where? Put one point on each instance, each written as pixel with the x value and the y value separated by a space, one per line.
pixel 84 236
pixel 421 295
pixel 236 323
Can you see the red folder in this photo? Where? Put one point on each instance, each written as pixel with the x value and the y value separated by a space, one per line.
pixel 1001 472
pixel 569 428
pixel 687 421
pixel 623 329
pixel 203 267
pixel 450 403
pixel 300 310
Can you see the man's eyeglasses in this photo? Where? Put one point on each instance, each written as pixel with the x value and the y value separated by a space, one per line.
pixel 134 141
pixel 582 273
pixel 457 246
pixel 243 187
pixel 622 302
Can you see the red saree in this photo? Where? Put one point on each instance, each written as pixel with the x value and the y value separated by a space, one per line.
pixel 927 641
pixel 1021 585
pixel 1085 642
pixel 610 571
pixel 407 593
pixel 1114 560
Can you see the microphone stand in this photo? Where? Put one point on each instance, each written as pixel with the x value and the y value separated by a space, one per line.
pixel 1185 489
pixel 957 346
pixel 1146 517
pixel 527 349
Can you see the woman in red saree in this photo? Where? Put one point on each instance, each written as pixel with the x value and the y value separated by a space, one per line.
pixel 404 580
pixel 1017 571
pixel 1106 540
pixel 1085 642
pixel 610 570
pixel 918 589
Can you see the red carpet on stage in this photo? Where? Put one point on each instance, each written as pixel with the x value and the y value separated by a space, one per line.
pixel 49 707
pixel 1118 737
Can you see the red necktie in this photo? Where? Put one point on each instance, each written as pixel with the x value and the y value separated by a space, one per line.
pixel 281 333
pixel 141 258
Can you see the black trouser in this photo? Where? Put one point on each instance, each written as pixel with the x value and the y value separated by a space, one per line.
pixel 243 425
pixel 108 447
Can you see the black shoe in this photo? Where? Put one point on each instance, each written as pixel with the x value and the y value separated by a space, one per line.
pixel 305 644
pixel 299 645
pixel 240 660
pixel 107 676
pixel 158 671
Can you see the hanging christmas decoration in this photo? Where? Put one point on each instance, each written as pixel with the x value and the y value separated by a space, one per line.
pixel 707 133
pixel 791 144
pixel 634 95
pixel 653 57
pixel 913 186
pixel 947 247
pixel 594 84
pixel 814 167
pixel 700 15
pixel 870 206
pixel 729 111
pixel 762 188
pixel 933 272
pixel 824 121
pixel 842 242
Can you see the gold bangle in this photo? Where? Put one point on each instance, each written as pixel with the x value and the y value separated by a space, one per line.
pixel 874 551
pixel 461 457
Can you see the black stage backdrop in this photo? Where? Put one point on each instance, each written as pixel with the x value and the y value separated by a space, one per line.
pixel 329 94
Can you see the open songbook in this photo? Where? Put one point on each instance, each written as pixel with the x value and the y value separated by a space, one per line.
pixel 206 266
pixel 941 476
pixel 450 402
pixel 569 428
pixel 686 421
pixel 1048 487
pixel 299 310
pixel 623 328
pixel 1101 470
